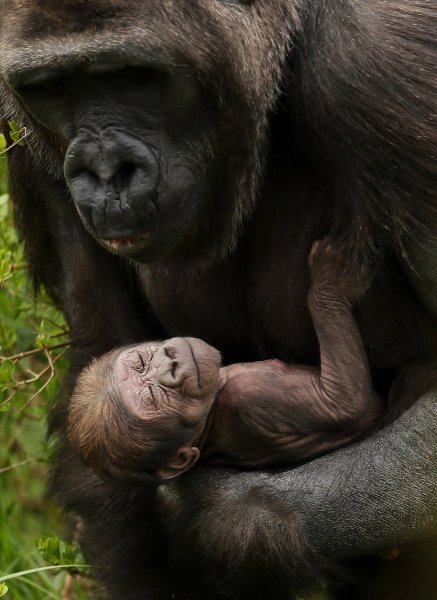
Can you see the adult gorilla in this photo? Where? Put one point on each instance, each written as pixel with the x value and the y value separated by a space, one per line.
pixel 205 145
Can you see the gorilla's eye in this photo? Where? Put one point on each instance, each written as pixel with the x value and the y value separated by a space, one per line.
pixel 52 86
pixel 44 88
pixel 132 75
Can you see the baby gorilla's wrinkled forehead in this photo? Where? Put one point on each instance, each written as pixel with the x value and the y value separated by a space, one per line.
pixel 176 377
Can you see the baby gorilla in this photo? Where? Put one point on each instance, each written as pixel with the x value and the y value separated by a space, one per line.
pixel 152 409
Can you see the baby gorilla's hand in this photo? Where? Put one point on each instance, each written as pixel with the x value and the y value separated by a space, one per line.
pixel 332 276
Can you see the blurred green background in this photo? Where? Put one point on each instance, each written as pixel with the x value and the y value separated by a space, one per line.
pixel 29 324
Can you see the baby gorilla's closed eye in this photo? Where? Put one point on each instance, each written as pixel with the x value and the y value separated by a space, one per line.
pixel 141 361
pixel 151 398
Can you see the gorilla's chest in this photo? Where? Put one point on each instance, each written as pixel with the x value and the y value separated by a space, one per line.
pixel 247 313
pixel 254 307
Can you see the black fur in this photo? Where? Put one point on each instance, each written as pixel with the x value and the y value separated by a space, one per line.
pixel 320 120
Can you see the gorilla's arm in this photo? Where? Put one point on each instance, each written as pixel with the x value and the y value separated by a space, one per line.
pixel 267 528
pixel 271 529
pixel 278 529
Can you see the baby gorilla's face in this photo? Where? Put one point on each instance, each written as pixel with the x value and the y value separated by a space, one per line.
pixel 175 380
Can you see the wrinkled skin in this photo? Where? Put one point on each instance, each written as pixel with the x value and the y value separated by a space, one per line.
pixel 212 142
pixel 140 412
pixel 272 413
pixel 183 406
pixel 179 375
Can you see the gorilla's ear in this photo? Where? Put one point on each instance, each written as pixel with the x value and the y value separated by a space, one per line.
pixel 186 458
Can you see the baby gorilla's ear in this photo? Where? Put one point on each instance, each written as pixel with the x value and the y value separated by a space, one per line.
pixel 185 459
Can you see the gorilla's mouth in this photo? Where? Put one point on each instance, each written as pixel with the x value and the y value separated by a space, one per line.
pixel 129 245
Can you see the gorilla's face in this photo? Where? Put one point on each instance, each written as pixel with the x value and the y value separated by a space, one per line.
pixel 130 163
pixel 159 110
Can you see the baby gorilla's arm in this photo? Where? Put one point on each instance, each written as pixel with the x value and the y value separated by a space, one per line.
pixel 271 413
pixel 345 395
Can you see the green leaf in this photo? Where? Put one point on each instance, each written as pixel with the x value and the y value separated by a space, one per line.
pixel 13 126
pixel 3 145
pixel 56 551
pixel 3 589
pixel 17 132
pixel 4 207
pixel 6 407
pixel 7 371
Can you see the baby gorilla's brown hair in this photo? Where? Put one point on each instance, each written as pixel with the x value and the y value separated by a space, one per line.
pixel 110 439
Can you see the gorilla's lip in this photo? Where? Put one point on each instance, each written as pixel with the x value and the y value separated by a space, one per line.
pixel 128 245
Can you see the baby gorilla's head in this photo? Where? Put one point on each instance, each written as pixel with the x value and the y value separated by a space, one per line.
pixel 140 411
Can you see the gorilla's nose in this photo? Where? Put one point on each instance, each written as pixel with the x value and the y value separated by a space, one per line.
pixel 113 179
pixel 113 171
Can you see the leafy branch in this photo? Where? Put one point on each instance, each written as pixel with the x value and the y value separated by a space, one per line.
pixel 17 133
pixel 44 375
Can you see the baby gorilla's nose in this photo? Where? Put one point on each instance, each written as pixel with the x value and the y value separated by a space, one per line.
pixel 190 362
pixel 170 369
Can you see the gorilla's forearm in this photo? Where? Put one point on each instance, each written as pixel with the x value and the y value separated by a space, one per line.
pixel 380 492
pixel 376 493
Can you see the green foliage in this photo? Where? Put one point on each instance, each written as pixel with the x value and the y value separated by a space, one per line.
pixel 33 334
pixel 59 552
pixel 3 186
pixel 17 133
pixel 33 340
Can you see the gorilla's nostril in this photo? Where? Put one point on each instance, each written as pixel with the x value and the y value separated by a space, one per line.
pixel 174 366
pixel 91 176
pixel 169 351
pixel 123 176
pixel 172 361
